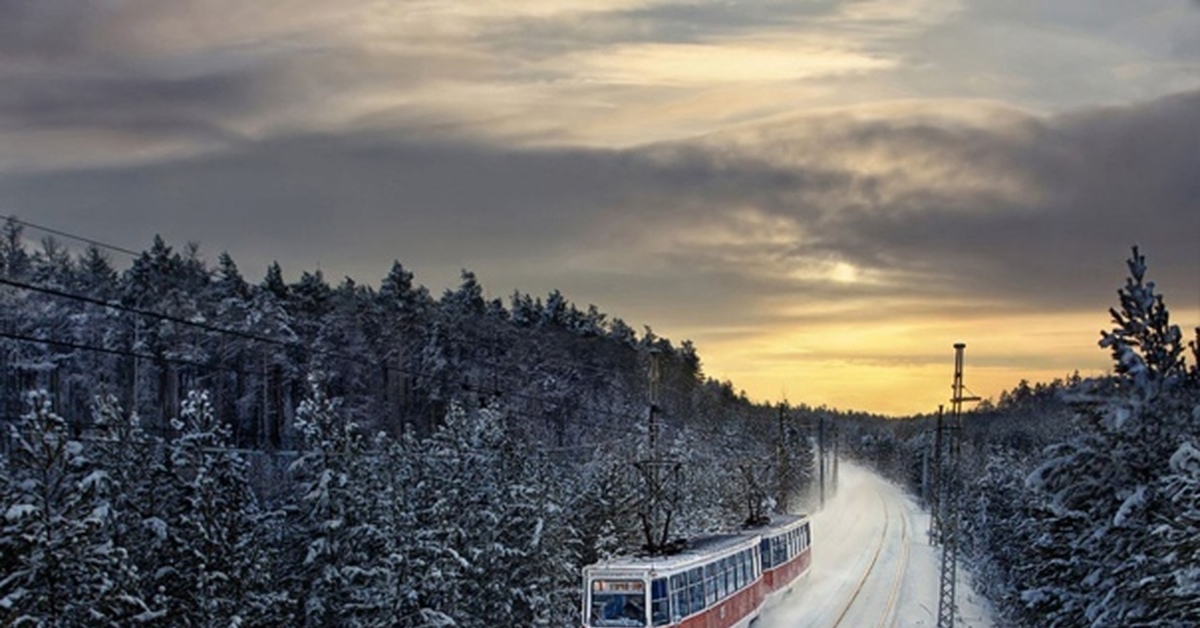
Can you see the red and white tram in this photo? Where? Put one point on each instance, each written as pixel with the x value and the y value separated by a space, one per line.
pixel 720 581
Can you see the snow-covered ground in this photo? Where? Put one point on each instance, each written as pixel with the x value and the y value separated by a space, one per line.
pixel 872 565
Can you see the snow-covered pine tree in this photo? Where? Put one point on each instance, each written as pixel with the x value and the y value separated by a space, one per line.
pixel 64 567
pixel 1195 372
pixel 221 576
pixel 1105 486
pixel 603 501
pixel 142 499
pixel 10 545
pixel 493 536
pixel 397 319
pixel 1147 349
pixel 533 567
pixel 341 576
pixel 14 259
pixel 457 513
pixel 264 403
pixel 1172 582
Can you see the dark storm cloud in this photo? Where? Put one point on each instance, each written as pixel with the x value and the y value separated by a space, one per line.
pixel 46 31
pixel 1109 178
pixel 347 195
pixel 1087 186
pixel 1037 213
pixel 147 104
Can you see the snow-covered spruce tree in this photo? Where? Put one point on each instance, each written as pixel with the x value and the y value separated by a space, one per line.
pixel 999 536
pixel 604 494
pixel 460 511
pixel 341 575
pixel 543 557
pixel 1147 349
pixel 1105 487
pixel 1195 372
pixel 1174 581
pixel 493 535
pixel 62 568
pixel 9 545
pixel 220 576
pixel 406 560
pixel 142 497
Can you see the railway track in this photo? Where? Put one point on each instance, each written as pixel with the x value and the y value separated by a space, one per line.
pixel 871 568
pixel 887 617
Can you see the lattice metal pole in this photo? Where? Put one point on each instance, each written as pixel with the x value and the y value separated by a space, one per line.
pixel 935 496
pixel 657 473
pixel 949 508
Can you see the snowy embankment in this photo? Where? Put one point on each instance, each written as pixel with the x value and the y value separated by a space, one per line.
pixel 872 565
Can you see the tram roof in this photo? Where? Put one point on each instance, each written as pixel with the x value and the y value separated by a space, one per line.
pixel 698 550
pixel 778 524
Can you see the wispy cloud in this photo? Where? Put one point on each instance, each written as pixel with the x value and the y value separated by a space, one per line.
pixel 776 179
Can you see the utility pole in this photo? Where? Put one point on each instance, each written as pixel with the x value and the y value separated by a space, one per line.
pixel 950 504
pixel 935 484
pixel 783 464
pixel 656 512
pixel 837 452
pixel 655 386
pixel 821 457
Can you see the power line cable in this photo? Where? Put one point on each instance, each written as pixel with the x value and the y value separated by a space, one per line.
pixel 70 236
pixel 120 352
pixel 147 313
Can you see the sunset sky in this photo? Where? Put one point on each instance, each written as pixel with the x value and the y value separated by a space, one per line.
pixel 824 195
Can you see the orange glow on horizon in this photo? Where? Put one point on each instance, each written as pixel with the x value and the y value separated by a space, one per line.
pixel 906 367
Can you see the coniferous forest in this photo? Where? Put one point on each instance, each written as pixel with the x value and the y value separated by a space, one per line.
pixel 184 446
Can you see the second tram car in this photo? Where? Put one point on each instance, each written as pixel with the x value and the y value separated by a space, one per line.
pixel 719 581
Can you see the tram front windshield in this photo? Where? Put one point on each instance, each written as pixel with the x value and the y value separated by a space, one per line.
pixel 617 603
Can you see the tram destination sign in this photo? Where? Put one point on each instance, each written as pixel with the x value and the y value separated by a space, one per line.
pixel 618 586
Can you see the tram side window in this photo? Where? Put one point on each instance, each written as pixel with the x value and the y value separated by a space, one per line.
pixel 764 551
pixel 680 601
pixel 730 585
pixel 737 570
pixel 660 609
pixel 696 587
pixel 746 562
pixel 710 584
pixel 721 588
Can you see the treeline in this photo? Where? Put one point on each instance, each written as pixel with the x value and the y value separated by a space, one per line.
pixel 210 451
pixel 1080 498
